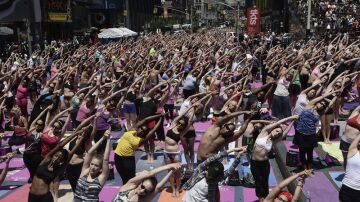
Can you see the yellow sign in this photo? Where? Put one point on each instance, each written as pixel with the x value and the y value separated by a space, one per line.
pixel 58 16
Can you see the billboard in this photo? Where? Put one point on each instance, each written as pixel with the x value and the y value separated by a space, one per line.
pixel 58 10
pixel 253 21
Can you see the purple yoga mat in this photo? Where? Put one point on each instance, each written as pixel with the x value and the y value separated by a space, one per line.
pixel 227 194
pixel 290 146
pixel 321 189
pixel 18 176
pixel 291 132
pixel 108 193
pixel 14 163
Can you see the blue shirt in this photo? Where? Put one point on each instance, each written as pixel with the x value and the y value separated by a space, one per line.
pixel 307 122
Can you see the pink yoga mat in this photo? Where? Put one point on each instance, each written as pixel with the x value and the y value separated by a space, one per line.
pixel 19 176
pixel 108 193
pixel 18 195
pixel 227 194
pixel 249 195
pixel 14 163
pixel 202 126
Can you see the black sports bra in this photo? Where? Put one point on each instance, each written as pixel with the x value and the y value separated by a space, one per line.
pixel 173 136
pixel 43 173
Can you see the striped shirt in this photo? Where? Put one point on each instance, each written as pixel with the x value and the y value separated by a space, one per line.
pixel 87 191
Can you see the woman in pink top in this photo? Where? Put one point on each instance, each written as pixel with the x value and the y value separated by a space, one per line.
pixel 85 109
pixel 21 96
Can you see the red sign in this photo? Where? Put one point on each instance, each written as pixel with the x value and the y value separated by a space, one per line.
pixel 253 21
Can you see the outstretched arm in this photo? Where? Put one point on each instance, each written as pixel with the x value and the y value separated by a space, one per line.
pixel 9 156
pixel 105 165
pixel 227 118
pixel 146 174
pixel 278 123
pixel 275 192
pixel 142 122
pixel 152 132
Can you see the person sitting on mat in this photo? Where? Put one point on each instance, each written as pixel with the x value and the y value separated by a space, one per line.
pixel 144 185
pixel 203 184
pixel 95 172
pixel 277 195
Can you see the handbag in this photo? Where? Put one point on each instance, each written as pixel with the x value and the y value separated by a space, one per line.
pixel 334 132
pixel 234 179
pixel 330 160
pixel 292 158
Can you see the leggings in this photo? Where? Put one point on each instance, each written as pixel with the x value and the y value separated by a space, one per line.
pixel 126 167
pixel 40 198
pixel 261 170
pixel 306 155
pixel 31 162
pixel 169 110
pixel 348 194
pixel 73 174
pixel 160 133
pixel 99 134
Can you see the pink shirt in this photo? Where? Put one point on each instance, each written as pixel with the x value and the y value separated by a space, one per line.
pixel 83 113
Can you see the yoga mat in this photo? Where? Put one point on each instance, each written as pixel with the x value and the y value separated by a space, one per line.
pixel 249 195
pixel 143 165
pixel 350 106
pixel 337 177
pixel 3 193
pixel 18 175
pixel 14 163
pixel 19 195
pixel 320 188
pixel 290 146
pixel 108 193
pixel 227 194
pixel 333 150
pixel 202 126
pixel 165 196
pixel 291 132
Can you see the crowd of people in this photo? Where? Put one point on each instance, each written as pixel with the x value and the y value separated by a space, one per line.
pixel 63 106
pixel 331 16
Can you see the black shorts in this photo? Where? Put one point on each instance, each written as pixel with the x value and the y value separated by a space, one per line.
pixel 190 134
pixel 344 146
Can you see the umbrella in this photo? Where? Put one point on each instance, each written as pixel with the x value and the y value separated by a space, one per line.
pixel 6 31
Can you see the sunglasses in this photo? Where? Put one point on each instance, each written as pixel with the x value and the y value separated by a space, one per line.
pixel 144 188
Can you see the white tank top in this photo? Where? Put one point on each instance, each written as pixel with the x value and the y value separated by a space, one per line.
pixel 262 142
pixel 352 173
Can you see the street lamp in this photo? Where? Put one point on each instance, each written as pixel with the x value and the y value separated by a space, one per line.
pixel 308 17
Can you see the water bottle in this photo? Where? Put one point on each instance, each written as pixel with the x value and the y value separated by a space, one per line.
pixel 308 196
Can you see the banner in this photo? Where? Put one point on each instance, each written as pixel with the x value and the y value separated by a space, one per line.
pixel 58 10
pixel 253 21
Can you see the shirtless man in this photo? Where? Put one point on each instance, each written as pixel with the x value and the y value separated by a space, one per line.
pixel 220 134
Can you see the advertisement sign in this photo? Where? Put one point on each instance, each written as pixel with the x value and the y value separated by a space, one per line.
pixel 253 21
pixel 58 10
